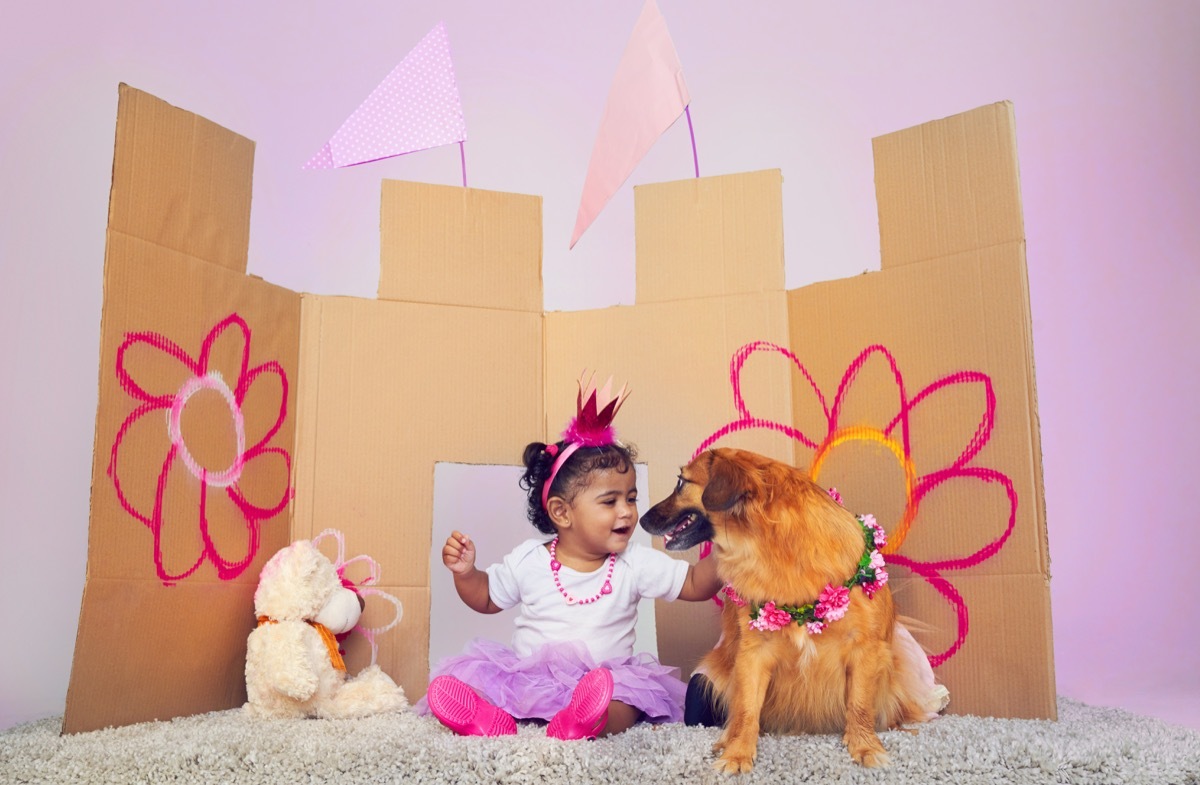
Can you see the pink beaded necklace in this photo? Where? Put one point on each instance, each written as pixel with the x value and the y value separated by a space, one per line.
pixel 555 565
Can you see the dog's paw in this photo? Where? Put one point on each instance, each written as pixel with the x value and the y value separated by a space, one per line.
pixel 869 753
pixel 873 759
pixel 737 758
pixel 734 764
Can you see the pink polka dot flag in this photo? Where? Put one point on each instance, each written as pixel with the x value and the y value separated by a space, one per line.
pixel 415 108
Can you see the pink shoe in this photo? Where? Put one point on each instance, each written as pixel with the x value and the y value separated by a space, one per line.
pixel 587 713
pixel 460 709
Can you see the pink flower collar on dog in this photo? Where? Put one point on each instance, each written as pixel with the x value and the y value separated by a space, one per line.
pixel 833 601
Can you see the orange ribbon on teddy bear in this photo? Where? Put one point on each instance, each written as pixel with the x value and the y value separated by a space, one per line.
pixel 335 656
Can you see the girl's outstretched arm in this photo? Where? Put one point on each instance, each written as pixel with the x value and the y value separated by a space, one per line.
pixel 702 582
pixel 458 554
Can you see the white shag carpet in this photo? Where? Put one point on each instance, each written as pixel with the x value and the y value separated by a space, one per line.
pixel 1086 745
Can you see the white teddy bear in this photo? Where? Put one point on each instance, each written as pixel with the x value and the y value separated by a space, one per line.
pixel 293 668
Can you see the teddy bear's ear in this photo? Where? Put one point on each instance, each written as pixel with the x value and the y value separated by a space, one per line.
pixel 295 583
pixel 273 565
pixel 306 559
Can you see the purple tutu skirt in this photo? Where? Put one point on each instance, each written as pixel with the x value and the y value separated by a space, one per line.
pixel 538 686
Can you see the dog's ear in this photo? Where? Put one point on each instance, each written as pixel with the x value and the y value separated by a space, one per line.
pixel 728 483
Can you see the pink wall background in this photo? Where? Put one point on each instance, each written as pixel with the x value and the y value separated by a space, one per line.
pixel 1108 113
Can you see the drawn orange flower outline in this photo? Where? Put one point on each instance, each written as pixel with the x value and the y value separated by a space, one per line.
pixel 896 437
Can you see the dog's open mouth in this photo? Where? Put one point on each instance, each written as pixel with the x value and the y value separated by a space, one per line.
pixel 680 529
pixel 687 521
pixel 690 529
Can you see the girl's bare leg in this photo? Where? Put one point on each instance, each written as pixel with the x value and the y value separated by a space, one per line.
pixel 621 717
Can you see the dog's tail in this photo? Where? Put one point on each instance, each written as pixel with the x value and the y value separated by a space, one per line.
pixel 914 671
pixel 913 624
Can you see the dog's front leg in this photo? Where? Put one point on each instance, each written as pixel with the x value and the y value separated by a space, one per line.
pixel 864 677
pixel 739 742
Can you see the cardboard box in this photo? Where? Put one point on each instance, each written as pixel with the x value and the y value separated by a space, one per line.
pixel 334 411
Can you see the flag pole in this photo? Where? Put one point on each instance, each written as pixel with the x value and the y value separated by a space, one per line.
pixel 687 110
pixel 462 153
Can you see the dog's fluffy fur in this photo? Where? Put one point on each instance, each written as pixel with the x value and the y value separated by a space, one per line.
pixel 778 536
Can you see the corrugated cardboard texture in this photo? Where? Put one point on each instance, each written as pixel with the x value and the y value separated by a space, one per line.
pixel 147 653
pixel 400 648
pixel 950 208
pixel 936 319
pixel 709 236
pixel 948 186
pixel 388 389
pixel 180 181
pixel 460 246
pixel 384 390
pixel 456 362
pixel 149 646
pixel 670 353
pixel 953 298
pixel 1010 625
pixel 674 346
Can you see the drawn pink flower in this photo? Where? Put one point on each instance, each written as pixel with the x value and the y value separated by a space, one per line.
pixel 366 588
pixel 213 502
pixel 896 436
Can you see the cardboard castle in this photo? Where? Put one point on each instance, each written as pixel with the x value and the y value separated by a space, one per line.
pixel 910 389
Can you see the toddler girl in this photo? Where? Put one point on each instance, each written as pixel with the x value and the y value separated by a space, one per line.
pixel 571 660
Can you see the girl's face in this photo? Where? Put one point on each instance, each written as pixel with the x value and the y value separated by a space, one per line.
pixel 602 516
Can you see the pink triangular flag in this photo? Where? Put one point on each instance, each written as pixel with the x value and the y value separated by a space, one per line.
pixel 647 95
pixel 416 107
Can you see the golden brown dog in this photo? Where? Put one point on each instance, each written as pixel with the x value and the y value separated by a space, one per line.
pixel 780 538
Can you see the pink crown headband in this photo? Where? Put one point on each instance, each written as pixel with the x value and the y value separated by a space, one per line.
pixel 590 427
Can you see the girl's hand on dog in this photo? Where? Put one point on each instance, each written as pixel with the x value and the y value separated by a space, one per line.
pixel 458 554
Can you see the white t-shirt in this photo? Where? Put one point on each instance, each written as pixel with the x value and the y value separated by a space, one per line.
pixel 606 625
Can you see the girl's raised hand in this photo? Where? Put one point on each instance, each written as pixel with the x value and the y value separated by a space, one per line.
pixel 458 554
